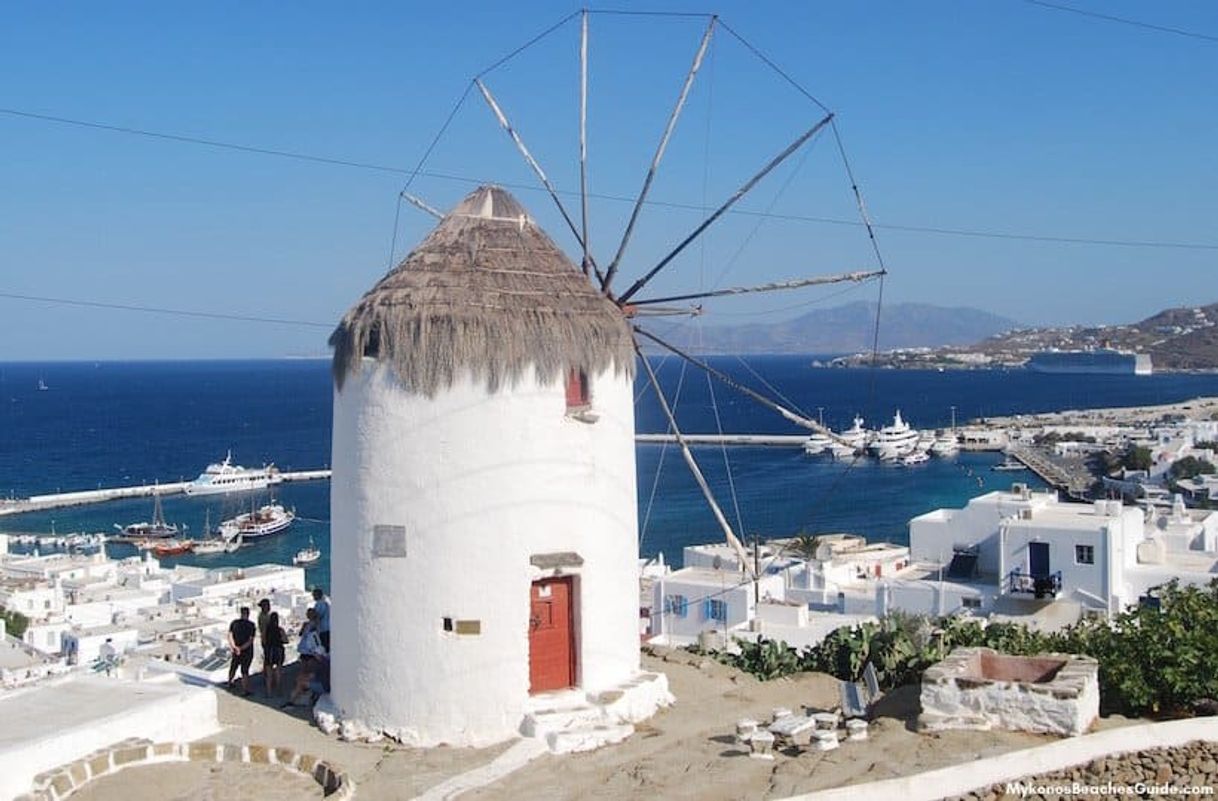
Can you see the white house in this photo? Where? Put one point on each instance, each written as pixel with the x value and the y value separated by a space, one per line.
pixel 227 582
pixel 483 495
pixel 715 606
pixel 1104 556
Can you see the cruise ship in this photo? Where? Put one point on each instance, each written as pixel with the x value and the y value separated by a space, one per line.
pixel 228 477
pixel 1100 360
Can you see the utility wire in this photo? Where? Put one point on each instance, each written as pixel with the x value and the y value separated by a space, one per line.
pixel 1124 21
pixel 446 176
pixel 94 304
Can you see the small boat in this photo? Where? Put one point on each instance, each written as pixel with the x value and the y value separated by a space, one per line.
pixel 157 529
pixel 216 544
pixel 228 477
pixel 173 548
pixel 42 385
pixel 917 457
pixel 1009 465
pixel 264 521
pixel 307 556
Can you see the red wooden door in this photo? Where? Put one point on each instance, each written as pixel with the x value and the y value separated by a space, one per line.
pixel 551 635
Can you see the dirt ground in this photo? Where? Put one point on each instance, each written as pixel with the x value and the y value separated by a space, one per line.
pixel 686 752
pixel 196 781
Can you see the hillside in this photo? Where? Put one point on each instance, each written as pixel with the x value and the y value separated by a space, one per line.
pixel 1183 338
pixel 850 328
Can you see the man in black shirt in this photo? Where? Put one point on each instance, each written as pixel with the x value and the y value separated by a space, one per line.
pixel 241 642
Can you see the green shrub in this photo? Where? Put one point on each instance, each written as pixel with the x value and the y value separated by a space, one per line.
pixel 1152 661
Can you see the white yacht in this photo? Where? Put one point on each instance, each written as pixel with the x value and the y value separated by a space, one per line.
pixel 855 439
pixel 228 477
pixel 945 444
pixel 917 457
pixel 896 440
pixel 818 443
pixel 261 522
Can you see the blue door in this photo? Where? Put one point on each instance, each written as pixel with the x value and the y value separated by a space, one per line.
pixel 1038 559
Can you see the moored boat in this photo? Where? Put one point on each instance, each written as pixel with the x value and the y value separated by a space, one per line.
pixel 228 477
pixel 894 441
pixel 261 522
pixel 217 543
pixel 307 556
pixel 817 443
pixel 851 441
pixel 945 444
pixel 157 529
pixel 172 548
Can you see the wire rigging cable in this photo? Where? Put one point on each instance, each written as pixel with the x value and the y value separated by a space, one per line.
pixel 1125 21
pixel 655 481
pixel 473 180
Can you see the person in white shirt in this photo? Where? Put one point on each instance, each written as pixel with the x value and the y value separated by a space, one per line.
pixel 321 604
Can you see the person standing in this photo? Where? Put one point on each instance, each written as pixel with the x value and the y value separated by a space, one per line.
pixel 310 639
pixel 274 640
pixel 241 634
pixel 264 616
pixel 322 604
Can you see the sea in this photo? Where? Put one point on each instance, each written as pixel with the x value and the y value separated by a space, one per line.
pixel 105 424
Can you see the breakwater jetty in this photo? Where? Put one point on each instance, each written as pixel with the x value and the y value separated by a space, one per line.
pixel 58 500
pixel 781 440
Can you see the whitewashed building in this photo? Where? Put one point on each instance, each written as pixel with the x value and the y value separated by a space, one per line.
pixel 483 495
pixel 1103 556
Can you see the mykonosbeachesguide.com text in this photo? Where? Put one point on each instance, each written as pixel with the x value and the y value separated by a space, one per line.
pixel 1109 790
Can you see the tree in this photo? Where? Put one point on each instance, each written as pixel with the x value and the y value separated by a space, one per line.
pixel 1190 467
pixel 1137 457
pixel 15 623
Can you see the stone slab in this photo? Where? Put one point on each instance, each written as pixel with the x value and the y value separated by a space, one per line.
pixel 66 720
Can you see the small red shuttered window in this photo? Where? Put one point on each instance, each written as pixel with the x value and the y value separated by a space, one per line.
pixel 578 394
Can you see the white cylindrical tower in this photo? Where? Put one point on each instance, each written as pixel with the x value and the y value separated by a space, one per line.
pixel 483 506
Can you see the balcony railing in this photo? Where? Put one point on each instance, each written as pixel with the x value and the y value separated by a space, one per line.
pixel 1040 586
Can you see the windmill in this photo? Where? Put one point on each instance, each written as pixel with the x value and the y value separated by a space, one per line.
pixel 633 301
pixel 483 492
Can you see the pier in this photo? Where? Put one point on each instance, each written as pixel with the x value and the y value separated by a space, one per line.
pixel 1073 479
pixel 781 440
pixel 59 500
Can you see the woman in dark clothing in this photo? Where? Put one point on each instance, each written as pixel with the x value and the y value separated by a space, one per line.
pixel 276 639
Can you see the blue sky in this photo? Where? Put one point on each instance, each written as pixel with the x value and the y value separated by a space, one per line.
pixel 1000 116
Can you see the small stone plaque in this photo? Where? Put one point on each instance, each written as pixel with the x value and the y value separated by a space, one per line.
pixel 388 542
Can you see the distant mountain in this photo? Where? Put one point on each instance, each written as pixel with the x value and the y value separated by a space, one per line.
pixel 850 328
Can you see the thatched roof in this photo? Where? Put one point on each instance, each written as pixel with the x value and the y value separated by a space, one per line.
pixel 487 294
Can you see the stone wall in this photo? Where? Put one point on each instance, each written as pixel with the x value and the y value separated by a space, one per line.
pixel 1155 770
pixel 978 688
pixel 61 783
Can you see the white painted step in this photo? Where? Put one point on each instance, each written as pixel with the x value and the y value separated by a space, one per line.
pixel 543 722
pixel 587 738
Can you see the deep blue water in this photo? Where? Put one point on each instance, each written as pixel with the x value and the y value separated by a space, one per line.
pixel 113 424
